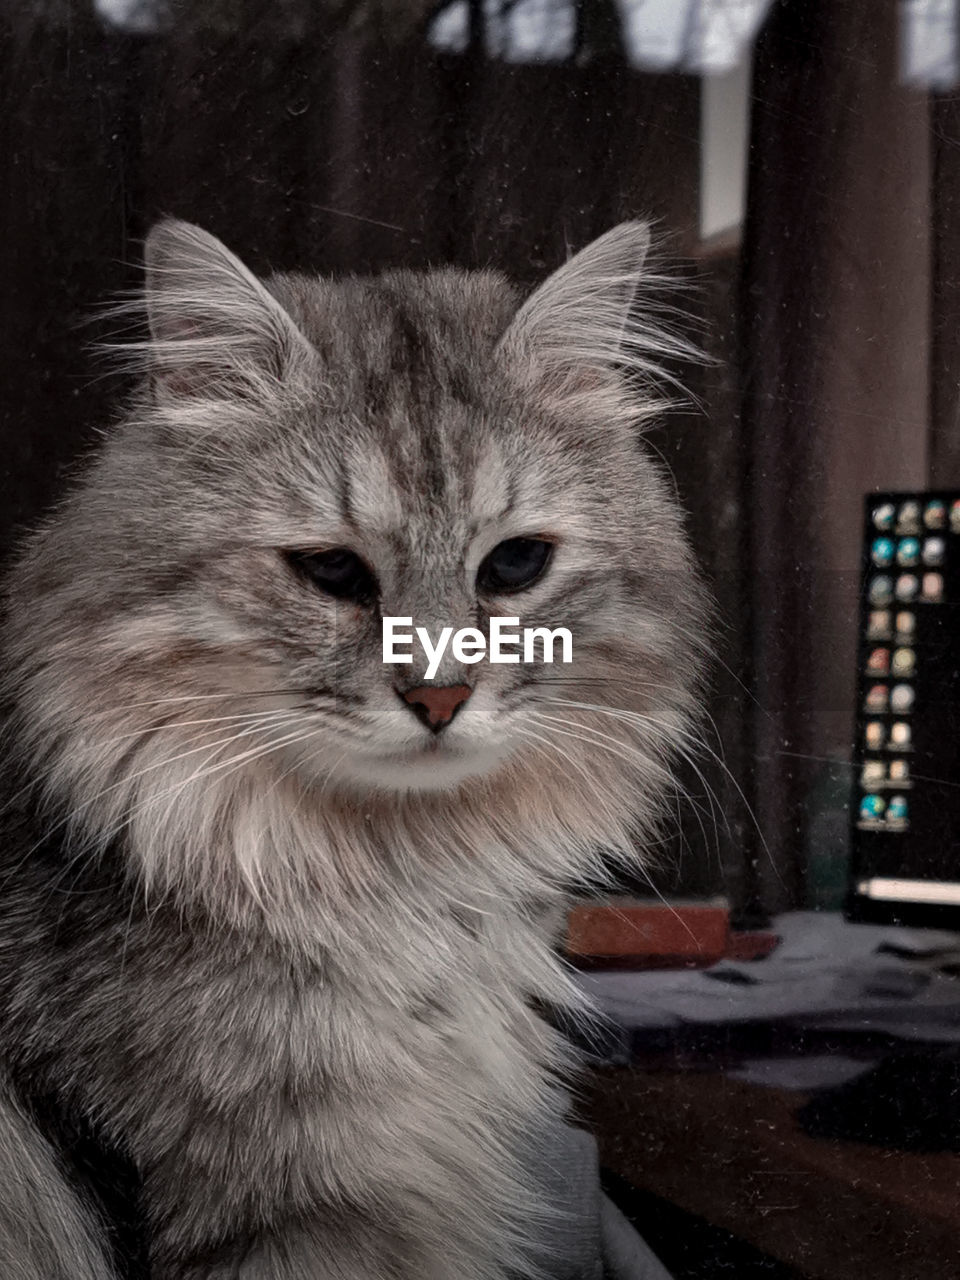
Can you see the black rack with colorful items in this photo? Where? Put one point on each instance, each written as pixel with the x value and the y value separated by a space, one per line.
pixel 906 787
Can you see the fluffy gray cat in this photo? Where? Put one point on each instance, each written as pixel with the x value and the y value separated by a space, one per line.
pixel 275 916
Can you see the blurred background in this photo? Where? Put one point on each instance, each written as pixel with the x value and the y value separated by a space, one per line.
pixel 801 158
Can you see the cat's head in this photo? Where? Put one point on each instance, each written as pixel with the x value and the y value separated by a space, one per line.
pixel 202 618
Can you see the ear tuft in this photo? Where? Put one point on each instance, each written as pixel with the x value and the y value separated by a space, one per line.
pixel 595 332
pixel 216 332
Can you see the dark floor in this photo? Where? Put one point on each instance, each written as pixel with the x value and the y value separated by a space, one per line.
pixel 689 1247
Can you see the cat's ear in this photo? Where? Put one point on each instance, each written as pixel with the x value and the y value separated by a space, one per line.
pixel 216 332
pixel 586 334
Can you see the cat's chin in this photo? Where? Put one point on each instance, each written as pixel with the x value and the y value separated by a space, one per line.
pixel 427 770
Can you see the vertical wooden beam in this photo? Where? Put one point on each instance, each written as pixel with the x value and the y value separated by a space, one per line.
pixel 945 299
pixel 835 360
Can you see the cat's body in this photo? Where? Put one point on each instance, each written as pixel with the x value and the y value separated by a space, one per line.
pixel 270 944
pixel 284 1106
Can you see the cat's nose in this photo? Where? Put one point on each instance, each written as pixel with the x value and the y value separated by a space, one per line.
pixel 436 705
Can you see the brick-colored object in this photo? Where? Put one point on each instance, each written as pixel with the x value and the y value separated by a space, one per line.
pixel 631 931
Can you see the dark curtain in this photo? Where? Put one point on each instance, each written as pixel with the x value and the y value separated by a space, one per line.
pixel 843 277
pixel 944 459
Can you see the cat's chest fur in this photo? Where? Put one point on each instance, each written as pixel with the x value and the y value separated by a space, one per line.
pixel 252 1085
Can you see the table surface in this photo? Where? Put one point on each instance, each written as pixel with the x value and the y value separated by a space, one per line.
pixel 733 1153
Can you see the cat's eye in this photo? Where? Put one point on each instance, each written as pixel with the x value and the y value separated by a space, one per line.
pixel 514 565
pixel 338 572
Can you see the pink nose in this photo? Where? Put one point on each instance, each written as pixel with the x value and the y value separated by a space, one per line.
pixel 436 706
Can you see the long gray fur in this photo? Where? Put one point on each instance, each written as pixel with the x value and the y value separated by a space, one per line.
pixel 264 950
